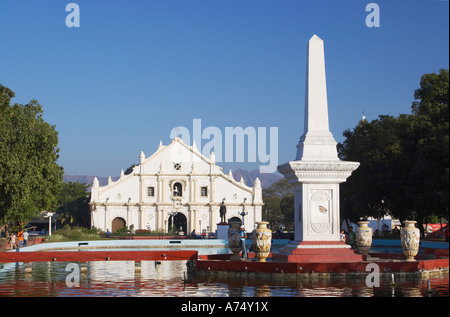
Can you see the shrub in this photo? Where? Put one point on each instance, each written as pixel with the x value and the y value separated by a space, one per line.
pixel 56 237
pixel 67 233
pixel 121 230
pixel 143 231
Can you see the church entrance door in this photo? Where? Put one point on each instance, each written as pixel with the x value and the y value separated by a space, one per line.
pixel 235 219
pixel 118 223
pixel 180 222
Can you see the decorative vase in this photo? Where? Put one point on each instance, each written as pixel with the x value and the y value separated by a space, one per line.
pixel 364 237
pixel 261 241
pixel 233 240
pixel 410 237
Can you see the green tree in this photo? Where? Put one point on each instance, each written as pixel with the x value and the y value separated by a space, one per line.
pixel 279 204
pixel 404 160
pixel 372 188
pixel 73 204
pixel 30 178
pixel 431 165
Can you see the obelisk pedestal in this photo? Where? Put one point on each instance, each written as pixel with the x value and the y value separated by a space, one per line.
pixel 316 173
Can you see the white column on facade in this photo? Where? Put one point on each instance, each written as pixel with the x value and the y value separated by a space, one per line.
pixel 158 190
pixel 196 223
pixel 107 217
pixel 141 189
pixel 128 220
pixel 95 213
pixel 212 192
pixel 191 223
pixel 101 214
pixel 92 215
pixel 212 219
pixel 158 218
pixel 142 217
pixel 191 189
pixel 141 180
pixel 163 190
pixel 196 190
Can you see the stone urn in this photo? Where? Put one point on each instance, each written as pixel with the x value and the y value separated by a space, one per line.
pixel 410 237
pixel 233 240
pixel 262 241
pixel 364 237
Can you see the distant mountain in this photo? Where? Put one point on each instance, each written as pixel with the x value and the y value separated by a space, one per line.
pixel 249 177
pixel 266 179
pixel 87 179
pixel 78 179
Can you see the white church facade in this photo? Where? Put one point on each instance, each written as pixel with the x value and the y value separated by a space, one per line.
pixel 175 188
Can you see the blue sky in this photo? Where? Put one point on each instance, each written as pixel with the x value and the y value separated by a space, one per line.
pixel 136 69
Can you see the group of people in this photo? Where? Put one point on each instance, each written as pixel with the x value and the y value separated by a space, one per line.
pixel 21 240
pixel 348 237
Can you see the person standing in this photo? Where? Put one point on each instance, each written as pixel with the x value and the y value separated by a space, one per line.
pixel 20 238
pixel 12 241
pixel 25 238
pixel 351 237
pixel 242 236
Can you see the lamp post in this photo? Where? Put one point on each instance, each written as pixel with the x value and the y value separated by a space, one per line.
pixel 172 215
pixel 49 215
pixel 200 225
pixel 243 213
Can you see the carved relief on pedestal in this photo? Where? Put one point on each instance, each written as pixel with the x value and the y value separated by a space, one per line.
pixel 320 204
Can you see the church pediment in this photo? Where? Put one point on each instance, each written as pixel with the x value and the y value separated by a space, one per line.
pixel 175 158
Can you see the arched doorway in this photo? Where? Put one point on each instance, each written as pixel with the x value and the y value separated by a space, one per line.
pixel 118 223
pixel 235 219
pixel 180 222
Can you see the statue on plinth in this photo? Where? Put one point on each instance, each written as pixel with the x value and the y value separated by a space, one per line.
pixel 223 211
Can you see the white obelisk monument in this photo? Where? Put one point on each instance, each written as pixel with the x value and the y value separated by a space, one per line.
pixel 316 172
